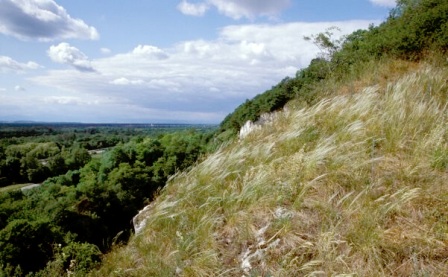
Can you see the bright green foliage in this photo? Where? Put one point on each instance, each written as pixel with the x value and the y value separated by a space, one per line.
pixel 75 259
pixel 413 28
pixel 35 153
pixel 76 157
pixel 35 162
pixel 70 218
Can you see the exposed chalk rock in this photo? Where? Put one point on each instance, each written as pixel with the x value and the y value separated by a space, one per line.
pixel 251 126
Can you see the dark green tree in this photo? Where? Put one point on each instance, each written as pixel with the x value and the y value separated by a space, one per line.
pixel 28 244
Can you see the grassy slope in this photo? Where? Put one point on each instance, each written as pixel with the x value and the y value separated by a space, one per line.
pixel 356 184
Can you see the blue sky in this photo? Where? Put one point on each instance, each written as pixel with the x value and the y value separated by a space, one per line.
pixel 190 61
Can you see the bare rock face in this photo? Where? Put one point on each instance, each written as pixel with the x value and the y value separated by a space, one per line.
pixel 139 221
pixel 247 128
pixel 250 126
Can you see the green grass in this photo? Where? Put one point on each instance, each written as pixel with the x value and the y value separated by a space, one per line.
pixel 355 185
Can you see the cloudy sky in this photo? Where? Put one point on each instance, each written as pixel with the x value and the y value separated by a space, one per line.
pixel 189 61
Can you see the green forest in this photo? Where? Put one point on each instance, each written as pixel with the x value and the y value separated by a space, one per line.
pixel 93 181
pixel 86 201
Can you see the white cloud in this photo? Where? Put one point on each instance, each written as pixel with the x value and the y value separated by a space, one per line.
pixel 42 20
pixel 69 100
pixel 384 3
pixel 8 64
pixel 202 80
pixel 63 100
pixel 282 43
pixel 105 50
pixel 19 88
pixel 197 9
pixel 124 81
pixel 66 54
pixel 149 51
pixel 236 9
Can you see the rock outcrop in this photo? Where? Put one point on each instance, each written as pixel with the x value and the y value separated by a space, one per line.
pixel 251 126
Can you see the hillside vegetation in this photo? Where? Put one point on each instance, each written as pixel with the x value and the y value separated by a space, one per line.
pixel 349 179
pixel 71 219
pixel 355 184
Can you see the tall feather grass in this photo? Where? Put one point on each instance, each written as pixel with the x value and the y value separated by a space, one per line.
pixel 355 185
